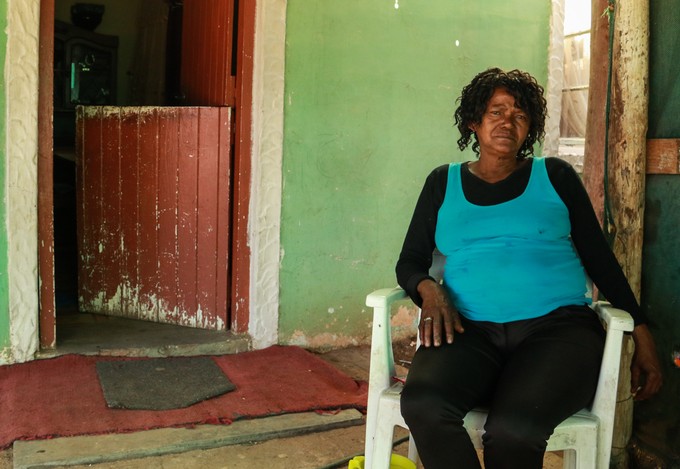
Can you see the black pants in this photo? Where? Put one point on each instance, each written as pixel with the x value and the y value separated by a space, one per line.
pixel 531 374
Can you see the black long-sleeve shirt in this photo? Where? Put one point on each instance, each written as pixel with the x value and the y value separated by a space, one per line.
pixel 592 247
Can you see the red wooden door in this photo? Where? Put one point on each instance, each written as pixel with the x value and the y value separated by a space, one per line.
pixel 208 69
pixel 153 213
pixel 154 190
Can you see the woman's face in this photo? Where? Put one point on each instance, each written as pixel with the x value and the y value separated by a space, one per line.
pixel 504 126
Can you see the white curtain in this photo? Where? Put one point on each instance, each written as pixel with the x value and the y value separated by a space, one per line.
pixel 575 91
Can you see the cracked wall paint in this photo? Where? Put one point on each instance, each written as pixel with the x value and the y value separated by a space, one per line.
pixel 403 326
pixel 360 139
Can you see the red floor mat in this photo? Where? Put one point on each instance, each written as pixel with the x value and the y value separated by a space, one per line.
pixel 62 396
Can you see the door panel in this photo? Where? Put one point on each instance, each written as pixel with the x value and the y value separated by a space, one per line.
pixel 207 45
pixel 153 213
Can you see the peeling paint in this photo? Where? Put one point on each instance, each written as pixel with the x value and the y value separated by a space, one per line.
pixel 405 316
pixel 128 302
pixel 5 357
pixel 404 326
pixel 144 112
pixel 324 341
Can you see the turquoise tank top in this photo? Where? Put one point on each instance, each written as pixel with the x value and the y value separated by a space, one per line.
pixel 510 261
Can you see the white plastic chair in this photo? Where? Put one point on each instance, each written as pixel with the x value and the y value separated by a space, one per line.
pixel 585 437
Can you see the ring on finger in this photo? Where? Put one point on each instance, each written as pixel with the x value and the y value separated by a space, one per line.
pixel 427 319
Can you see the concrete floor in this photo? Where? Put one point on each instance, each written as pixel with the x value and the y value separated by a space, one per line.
pixel 94 334
pixel 91 334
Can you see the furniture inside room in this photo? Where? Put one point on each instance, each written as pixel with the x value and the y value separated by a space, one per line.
pixel 85 67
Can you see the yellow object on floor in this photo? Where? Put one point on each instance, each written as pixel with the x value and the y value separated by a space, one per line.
pixel 397 462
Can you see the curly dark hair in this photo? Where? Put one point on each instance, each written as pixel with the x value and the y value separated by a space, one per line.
pixel 475 96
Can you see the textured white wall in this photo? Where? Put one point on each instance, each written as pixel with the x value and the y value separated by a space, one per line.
pixel 21 79
pixel 265 203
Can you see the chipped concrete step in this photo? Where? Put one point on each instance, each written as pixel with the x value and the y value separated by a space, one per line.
pixel 96 449
pixel 96 334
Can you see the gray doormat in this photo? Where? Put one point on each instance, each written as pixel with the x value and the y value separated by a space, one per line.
pixel 161 383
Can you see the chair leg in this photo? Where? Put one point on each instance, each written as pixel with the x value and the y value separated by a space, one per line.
pixel 569 459
pixel 586 457
pixel 382 447
pixel 583 458
pixel 412 450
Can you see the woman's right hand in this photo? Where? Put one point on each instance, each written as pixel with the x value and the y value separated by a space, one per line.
pixel 437 315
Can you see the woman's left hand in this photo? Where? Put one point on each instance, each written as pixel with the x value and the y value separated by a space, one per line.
pixel 646 378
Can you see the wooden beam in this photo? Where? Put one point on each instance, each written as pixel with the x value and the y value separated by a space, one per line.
pixel 593 160
pixel 48 337
pixel 627 133
pixel 663 156
pixel 243 147
pixel 627 146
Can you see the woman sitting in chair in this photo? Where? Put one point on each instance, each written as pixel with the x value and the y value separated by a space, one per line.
pixel 510 327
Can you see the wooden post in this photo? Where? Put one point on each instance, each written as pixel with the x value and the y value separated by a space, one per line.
pixel 48 333
pixel 593 158
pixel 626 163
pixel 628 133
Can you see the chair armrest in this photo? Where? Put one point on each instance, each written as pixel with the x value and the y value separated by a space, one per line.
pixel 616 322
pixel 381 368
pixel 382 358
pixel 616 319
pixel 385 297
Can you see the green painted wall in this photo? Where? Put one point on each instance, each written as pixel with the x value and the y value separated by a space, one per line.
pixel 657 421
pixel 4 289
pixel 370 93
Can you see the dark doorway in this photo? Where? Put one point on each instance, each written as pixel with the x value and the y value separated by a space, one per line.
pixel 91 70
